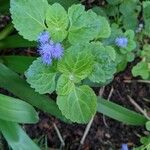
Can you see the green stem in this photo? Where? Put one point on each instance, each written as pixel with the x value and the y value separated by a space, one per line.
pixel 6 31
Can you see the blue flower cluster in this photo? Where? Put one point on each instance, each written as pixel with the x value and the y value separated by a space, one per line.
pixel 48 49
pixel 121 42
pixel 124 147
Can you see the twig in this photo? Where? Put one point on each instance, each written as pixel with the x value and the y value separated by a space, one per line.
pixel 140 81
pixel 147 100
pixel 86 131
pixel 89 124
pixel 138 107
pixel 59 135
pixel 109 96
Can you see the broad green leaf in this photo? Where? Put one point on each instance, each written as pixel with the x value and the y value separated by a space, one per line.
pixel 147 125
pixel 147 27
pixel 84 25
pixel 99 11
pixel 120 113
pixel 65 3
pixel 41 77
pixel 77 63
pixel 16 137
pixel 29 17
pixel 130 21
pixel 146 8
pixel 64 85
pixel 114 2
pixel 10 81
pixel 18 63
pixel 145 53
pixel 15 110
pixel 105 65
pixel 79 105
pixel 57 22
pixel 141 69
pixel 104 28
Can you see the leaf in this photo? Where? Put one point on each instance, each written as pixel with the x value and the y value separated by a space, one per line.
pixel 15 41
pixel 130 21
pixel 147 125
pixel 141 69
pixel 114 2
pixel 77 63
pixel 16 137
pixel 79 105
pixel 104 66
pixel 41 77
pixel 64 85
pixel 104 28
pixel 147 27
pixel 15 110
pixel 18 63
pixel 10 81
pixel 29 17
pixel 119 113
pixel 84 26
pixel 57 22
pixel 65 3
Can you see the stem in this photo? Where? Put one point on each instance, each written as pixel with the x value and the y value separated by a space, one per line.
pixel 86 131
pixel 6 31
pixel 59 135
pixel 140 81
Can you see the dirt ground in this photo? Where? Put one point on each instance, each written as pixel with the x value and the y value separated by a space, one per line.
pixel 105 133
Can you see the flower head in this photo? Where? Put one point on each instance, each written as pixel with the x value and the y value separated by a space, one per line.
pixel 48 49
pixel 124 147
pixel 43 37
pixel 121 42
pixel 57 51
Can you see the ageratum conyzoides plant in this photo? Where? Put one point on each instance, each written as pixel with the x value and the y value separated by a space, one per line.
pixel 72 53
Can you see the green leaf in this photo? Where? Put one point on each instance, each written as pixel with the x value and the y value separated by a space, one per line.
pixel 57 22
pixel 79 105
pixel 130 21
pixel 29 17
pixel 16 137
pixel 15 110
pixel 64 85
pixel 104 66
pixel 141 69
pixel 104 28
pixel 15 41
pixel 10 81
pixel 119 113
pixel 41 77
pixel 18 63
pixel 84 26
pixel 77 63
pixel 114 2
pixel 147 27
pixel 147 125
pixel 65 3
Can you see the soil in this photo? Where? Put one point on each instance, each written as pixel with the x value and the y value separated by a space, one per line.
pixel 105 133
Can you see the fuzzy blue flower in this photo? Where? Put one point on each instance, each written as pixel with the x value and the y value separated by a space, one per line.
pixel 44 37
pixel 48 49
pixel 45 52
pixel 121 42
pixel 57 52
pixel 124 147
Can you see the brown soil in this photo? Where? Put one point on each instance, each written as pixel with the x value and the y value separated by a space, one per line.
pixel 105 133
